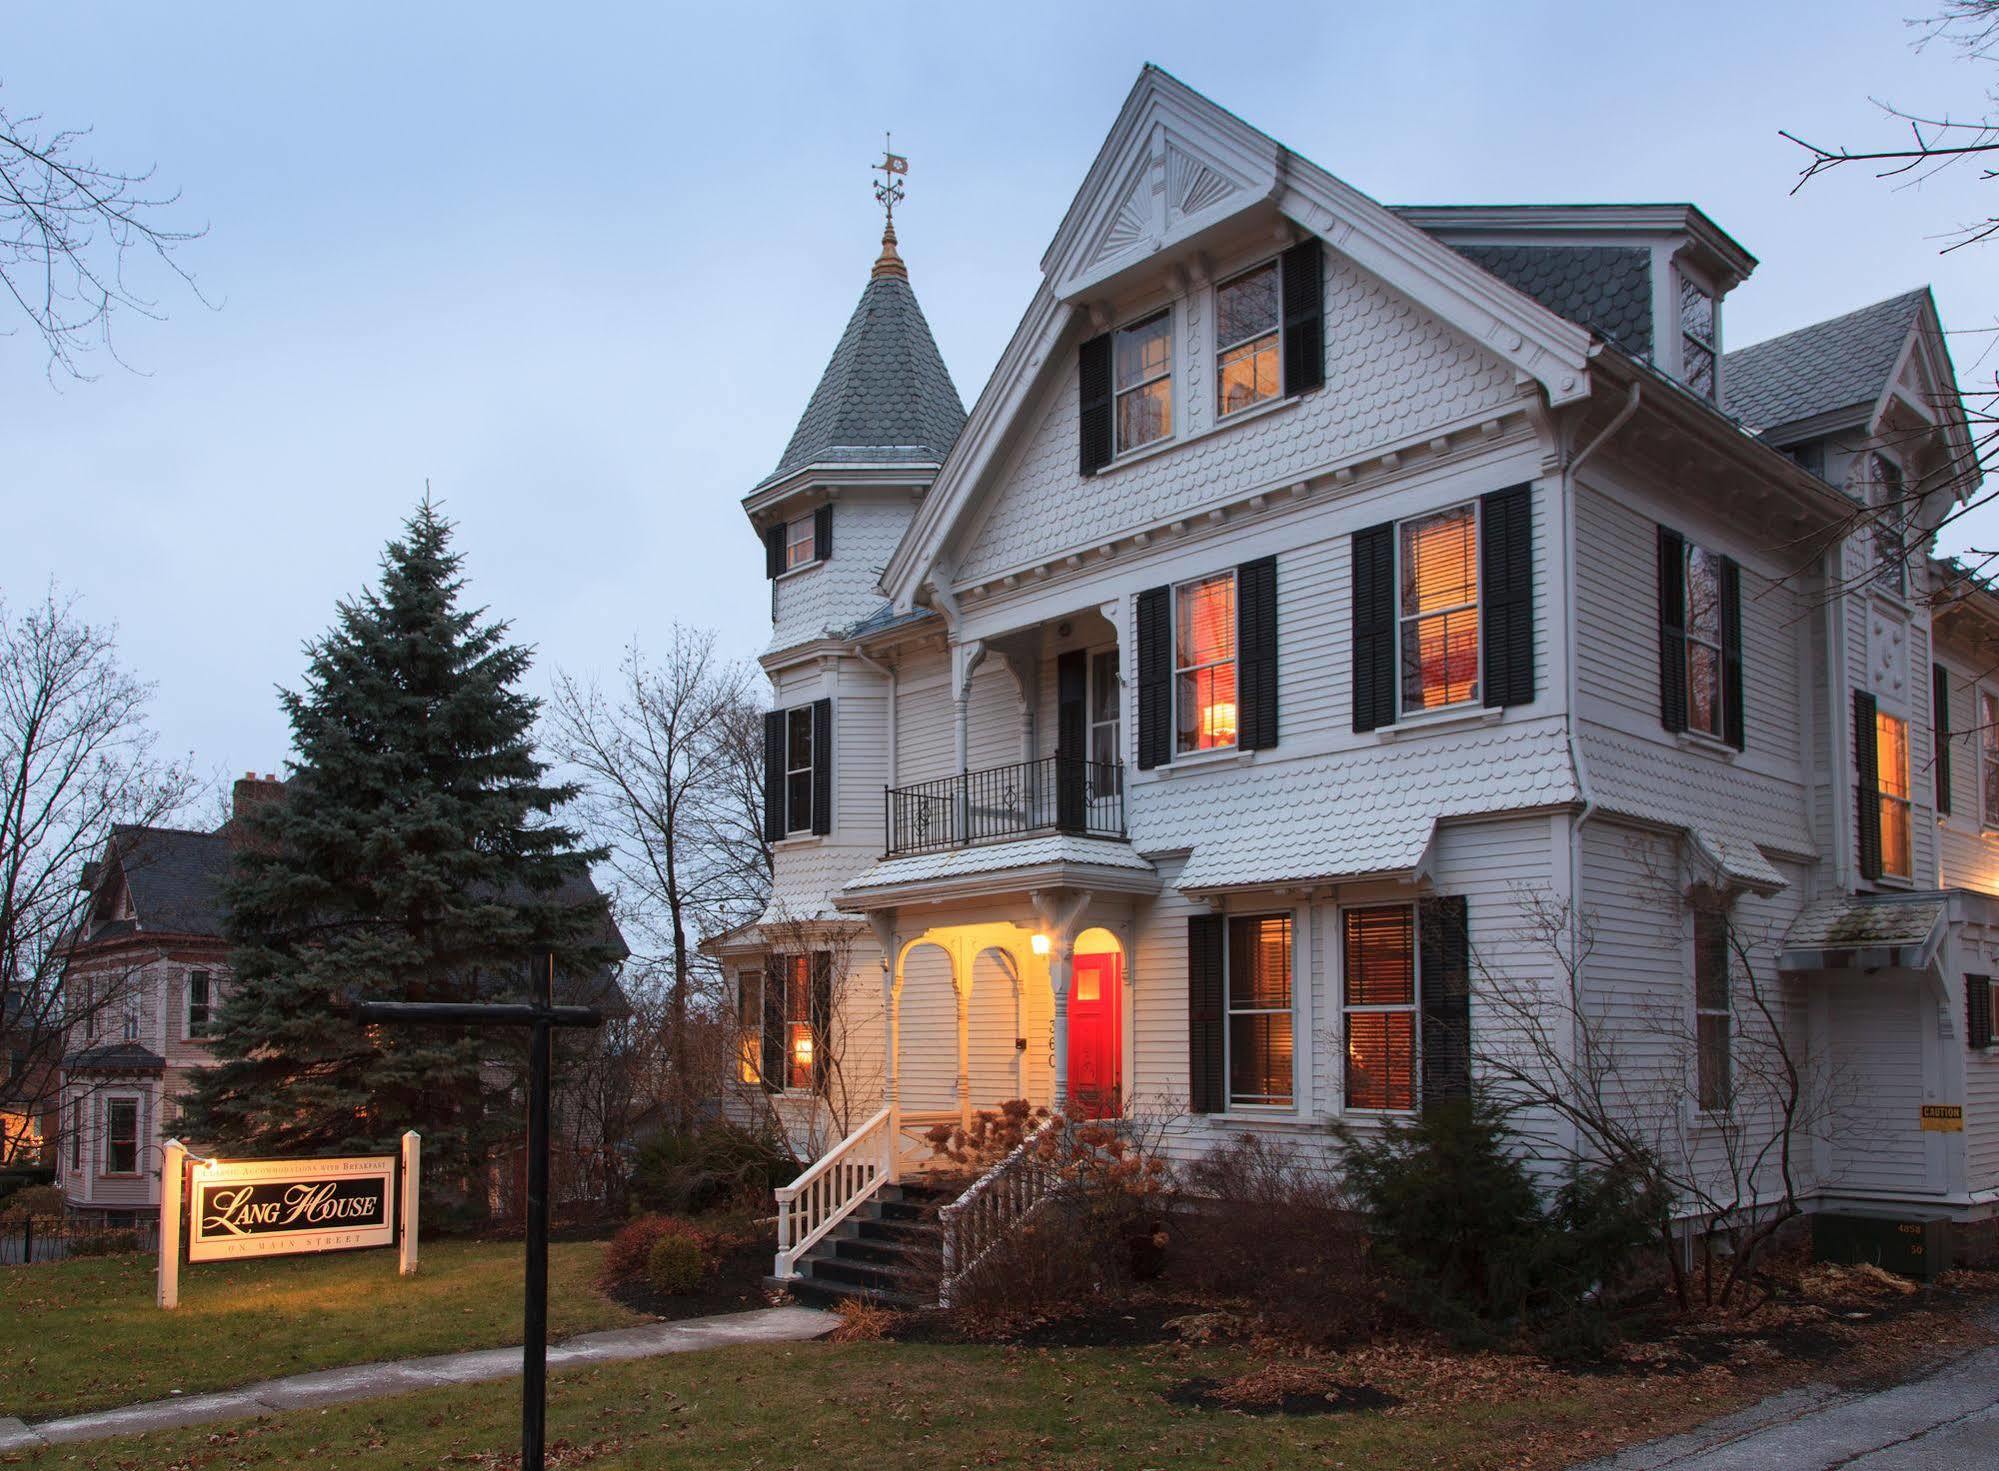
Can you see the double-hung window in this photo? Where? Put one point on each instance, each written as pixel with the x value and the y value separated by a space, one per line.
pixel 76 1108
pixel 1697 345
pixel 1892 783
pixel 1247 356
pixel 1259 1011
pixel 798 769
pixel 1379 1006
pixel 1142 355
pixel 1704 682
pixel 198 999
pixel 749 1026
pixel 1988 756
pixel 1106 725
pixel 121 1136
pixel 1714 1018
pixel 798 1022
pixel 1204 664
pixel 800 546
pixel 1437 572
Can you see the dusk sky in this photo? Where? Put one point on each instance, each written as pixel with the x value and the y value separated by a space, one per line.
pixel 579 267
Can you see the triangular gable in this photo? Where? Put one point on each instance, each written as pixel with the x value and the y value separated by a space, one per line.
pixel 1925 380
pixel 1173 167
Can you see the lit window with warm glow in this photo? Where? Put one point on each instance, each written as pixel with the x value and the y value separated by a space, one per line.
pixel 798 1021
pixel 1143 361
pixel 1891 763
pixel 749 1026
pixel 1258 971
pixel 1438 576
pixel 1204 664
pixel 1379 1003
pixel 1246 338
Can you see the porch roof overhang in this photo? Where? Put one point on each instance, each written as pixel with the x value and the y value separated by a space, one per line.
pixel 1869 932
pixel 1023 866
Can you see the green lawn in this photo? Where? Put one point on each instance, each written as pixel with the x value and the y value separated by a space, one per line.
pixel 882 1406
pixel 85 1335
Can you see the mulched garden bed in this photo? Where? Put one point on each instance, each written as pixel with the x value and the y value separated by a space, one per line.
pixel 735 1283
pixel 1280 1390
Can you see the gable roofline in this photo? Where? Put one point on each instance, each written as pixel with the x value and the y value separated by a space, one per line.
pixel 1723 253
pixel 1926 341
pixel 1502 320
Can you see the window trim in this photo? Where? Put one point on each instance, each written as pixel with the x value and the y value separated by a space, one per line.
pixel 1725 1100
pixel 1119 449
pixel 1414 1007
pixel 1883 797
pixel 111 1101
pixel 1234 661
pixel 792 544
pixel 1230 1103
pixel 1986 708
pixel 804 962
pixel 187 1031
pixel 792 826
pixel 1275 333
pixel 1476 700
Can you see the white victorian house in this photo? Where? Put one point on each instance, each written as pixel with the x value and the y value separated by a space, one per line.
pixel 1320 595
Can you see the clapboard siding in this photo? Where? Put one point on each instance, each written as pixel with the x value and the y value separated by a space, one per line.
pixel 927 1064
pixel 991 1024
pixel 925 720
pixel 1879 1034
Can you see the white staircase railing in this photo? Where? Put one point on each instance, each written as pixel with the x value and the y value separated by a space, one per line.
pixel 994 1206
pixel 839 1181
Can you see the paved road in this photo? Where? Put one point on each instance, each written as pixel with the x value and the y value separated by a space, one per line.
pixel 1945 1420
pixel 370 1381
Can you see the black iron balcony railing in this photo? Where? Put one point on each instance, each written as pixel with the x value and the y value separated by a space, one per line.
pixel 1059 794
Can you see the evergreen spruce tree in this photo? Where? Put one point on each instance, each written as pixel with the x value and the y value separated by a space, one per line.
pixel 414 855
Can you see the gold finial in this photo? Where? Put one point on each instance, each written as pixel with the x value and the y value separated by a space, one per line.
pixel 888 194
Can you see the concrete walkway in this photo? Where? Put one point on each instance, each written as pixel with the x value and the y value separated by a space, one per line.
pixel 371 1381
pixel 1946 1419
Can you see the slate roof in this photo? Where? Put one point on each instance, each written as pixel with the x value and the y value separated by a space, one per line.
pixel 1607 288
pixel 1866 931
pixel 1830 365
pixel 174 877
pixel 885 394
pixel 114 1057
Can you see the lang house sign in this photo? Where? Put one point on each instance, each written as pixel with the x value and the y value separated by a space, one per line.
pixel 273 1207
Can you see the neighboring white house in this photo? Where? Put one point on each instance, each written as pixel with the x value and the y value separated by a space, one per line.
pixel 1318 591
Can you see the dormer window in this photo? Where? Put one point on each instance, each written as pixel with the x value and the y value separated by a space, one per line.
pixel 1143 355
pixel 1697 338
pixel 1246 338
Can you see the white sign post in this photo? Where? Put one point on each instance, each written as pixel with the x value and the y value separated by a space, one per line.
pixel 412 1159
pixel 173 1170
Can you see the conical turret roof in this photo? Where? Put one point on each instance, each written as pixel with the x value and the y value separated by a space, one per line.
pixel 885 395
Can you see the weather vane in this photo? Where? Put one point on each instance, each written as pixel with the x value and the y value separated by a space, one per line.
pixel 888 193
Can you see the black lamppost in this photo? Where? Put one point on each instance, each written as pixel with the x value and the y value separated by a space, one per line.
pixel 541 1014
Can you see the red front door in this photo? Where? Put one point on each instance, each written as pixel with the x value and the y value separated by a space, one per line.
pixel 1096 1049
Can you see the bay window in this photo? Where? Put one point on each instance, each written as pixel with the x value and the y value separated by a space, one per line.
pixel 1204 664
pixel 1142 356
pixel 1437 572
pixel 1378 1006
pixel 1714 1019
pixel 1258 1036
pixel 749 1026
pixel 121 1136
pixel 798 1048
pixel 1704 682
pixel 1246 338
pixel 1891 748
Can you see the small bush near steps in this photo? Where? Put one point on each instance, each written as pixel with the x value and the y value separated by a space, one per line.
pixel 676 1264
pixel 631 1253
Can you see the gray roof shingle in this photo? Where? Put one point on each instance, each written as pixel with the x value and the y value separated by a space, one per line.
pixel 1829 365
pixel 1607 288
pixel 885 394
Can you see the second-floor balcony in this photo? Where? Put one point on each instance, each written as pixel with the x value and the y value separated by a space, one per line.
pixel 1058 794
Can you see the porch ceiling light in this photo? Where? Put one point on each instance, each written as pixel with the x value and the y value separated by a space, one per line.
pixel 1038 943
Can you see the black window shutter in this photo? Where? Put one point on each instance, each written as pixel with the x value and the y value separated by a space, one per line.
pixel 1444 964
pixel 1672 630
pixel 1206 1090
pixel 1155 677
pixel 1506 563
pixel 1374 626
pixel 822 532
pixel 822 766
pixel 1093 380
pixel 1072 693
pixel 773 549
pixel 1304 288
pixel 822 1019
pixel 1256 648
pixel 772 1060
pixel 773 775
pixel 1940 733
pixel 1731 653
pixel 1867 786
pixel 1978 1012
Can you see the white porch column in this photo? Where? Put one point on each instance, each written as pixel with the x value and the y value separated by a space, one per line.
pixel 883 923
pixel 1061 967
pixel 969 658
pixel 964 997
